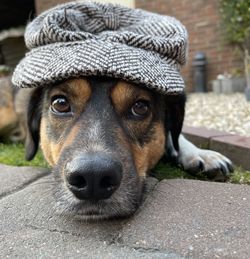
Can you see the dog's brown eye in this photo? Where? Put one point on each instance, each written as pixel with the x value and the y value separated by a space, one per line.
pixel 140 108
pixel 60 105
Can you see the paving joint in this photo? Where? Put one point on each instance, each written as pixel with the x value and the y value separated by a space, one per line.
pixel 33 227
pixel 22 187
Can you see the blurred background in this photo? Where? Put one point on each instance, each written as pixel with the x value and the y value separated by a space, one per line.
pixel 217 73
pixel 203 19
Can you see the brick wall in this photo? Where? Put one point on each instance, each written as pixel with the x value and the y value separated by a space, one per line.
pixel 202 19
pixel 42 5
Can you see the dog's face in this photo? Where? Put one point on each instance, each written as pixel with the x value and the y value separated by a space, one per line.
pixel 101 136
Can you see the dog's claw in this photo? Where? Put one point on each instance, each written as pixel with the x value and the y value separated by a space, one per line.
pixel 224 169
pixel 230 167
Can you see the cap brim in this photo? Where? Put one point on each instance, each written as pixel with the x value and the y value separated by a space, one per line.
pixel 59 61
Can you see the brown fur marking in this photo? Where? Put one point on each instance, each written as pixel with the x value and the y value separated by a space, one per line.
pixel 80 91
pixel 77 90
pixel 124 94
pixel 147 156
pixel 45 143
pixel 51 150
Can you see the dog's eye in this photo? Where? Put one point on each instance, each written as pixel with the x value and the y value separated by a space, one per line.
pixel 140 108
pixel 60 104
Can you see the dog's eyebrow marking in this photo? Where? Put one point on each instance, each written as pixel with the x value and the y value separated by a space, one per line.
pixel 77 89
pixel 81 89
pixel 124 94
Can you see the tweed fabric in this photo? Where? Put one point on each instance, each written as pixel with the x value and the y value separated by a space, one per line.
pixel 83 39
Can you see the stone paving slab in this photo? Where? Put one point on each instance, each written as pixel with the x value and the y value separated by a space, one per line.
pixel 179 219
pixel 194 218
pixel 35 243
pixel 31 228
pixel 13 178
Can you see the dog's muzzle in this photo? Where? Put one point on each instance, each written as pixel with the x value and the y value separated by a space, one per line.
pixel 93 176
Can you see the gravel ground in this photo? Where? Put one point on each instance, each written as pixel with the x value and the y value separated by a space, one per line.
pixel 229 113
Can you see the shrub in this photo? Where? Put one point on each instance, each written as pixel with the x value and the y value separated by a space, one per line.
pixel 236 24
pixel 236 21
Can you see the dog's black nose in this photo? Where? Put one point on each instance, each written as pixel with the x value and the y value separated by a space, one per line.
pixel 93 177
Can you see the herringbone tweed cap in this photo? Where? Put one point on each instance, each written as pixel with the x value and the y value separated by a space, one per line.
pixel 87 38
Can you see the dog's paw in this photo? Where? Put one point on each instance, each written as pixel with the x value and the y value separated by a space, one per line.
pixel 209 163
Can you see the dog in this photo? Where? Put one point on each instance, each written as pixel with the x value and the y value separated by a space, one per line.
pixel 103 135
pixel 12 112
pixel 8 117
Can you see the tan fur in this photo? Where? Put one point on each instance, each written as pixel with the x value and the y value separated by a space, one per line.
pixel 52 150
pixel 147 156
pixel 45 143
pixel 123 92
pixel 81 90
pixel 78 90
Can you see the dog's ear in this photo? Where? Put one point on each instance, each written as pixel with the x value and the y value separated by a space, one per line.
pixel 175 110
pixel 34 111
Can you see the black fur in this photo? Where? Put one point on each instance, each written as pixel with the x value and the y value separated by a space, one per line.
pixel 34 114
pixel 174 117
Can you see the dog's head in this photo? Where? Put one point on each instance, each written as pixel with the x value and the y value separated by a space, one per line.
pixel 101 136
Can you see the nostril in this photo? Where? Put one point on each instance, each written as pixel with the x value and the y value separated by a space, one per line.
pixel 77 181
pixel 107 183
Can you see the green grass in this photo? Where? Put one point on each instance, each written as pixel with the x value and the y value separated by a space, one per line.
pixel 166 171
pixel 13 154
pixel 240 176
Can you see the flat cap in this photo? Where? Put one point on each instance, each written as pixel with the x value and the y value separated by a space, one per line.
pixel 89 38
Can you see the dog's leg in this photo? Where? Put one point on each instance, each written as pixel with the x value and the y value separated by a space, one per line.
pixel 210 163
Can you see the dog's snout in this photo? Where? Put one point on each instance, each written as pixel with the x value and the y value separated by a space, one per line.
pixel 93 177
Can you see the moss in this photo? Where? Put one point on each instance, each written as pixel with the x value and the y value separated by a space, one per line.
pixel 13 154
pixel 168 171
pixel 240 176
